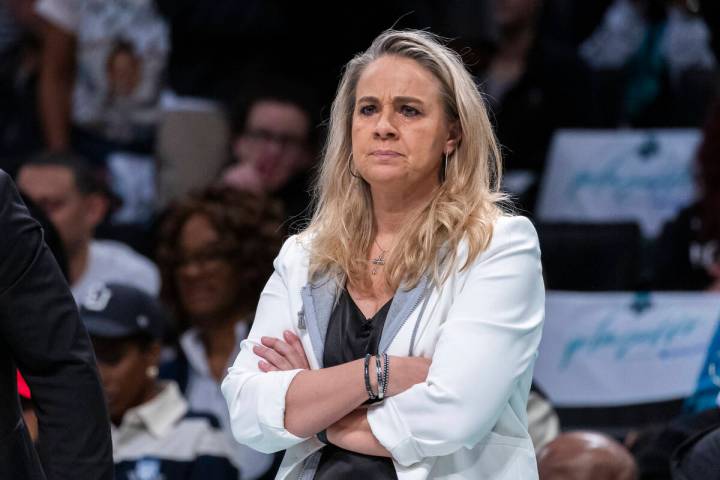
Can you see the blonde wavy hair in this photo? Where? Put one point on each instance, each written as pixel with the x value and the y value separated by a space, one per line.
pixel 463 207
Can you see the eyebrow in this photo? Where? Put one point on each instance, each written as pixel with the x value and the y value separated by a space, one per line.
pixel 395 100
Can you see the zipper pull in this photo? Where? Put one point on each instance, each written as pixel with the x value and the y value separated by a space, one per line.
pixel 301 319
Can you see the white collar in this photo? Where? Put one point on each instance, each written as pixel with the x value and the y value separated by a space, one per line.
pixel 158 415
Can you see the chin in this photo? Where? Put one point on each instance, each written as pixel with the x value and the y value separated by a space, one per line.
pixel 388 181
pixel 385 174
pixel 205 318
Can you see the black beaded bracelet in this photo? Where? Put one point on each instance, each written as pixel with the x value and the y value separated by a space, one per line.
pixel 368 387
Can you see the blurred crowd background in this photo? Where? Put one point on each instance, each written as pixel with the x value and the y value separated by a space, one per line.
pixel 168 148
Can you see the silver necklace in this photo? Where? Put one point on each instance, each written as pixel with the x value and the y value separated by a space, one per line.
pixel 379 260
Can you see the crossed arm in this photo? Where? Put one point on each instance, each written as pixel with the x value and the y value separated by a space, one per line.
pixel 331 398
pixel 277 402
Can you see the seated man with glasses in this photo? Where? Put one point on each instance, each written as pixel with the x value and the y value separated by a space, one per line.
pixel 215 253
pixel 274 143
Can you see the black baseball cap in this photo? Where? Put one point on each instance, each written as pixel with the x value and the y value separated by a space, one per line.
pixel 112 310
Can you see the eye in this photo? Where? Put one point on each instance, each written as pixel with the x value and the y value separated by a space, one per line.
pixel 409 111
pixel 367 109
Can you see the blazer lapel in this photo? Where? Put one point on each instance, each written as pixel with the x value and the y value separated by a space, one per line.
pixel 403 305
pixel 318 301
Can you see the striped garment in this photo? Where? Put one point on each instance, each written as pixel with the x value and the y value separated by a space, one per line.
pixel 163 440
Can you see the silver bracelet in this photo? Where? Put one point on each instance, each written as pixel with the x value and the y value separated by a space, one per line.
pixel 380 377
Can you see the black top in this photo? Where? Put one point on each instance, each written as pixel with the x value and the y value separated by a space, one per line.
pixel 351 336
pixel 41 333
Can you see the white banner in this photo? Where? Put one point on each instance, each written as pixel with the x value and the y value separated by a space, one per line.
pixel 619 175
pixel 609 349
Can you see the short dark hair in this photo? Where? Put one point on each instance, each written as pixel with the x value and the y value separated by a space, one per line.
pixel 277 90
pixel 87 180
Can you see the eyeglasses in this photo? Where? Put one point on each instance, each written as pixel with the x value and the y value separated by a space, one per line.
pixel 286 142
pixel 205 258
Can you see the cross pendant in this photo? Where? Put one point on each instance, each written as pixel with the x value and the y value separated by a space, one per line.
pixel 376 261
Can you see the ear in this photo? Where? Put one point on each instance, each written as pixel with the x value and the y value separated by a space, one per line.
pixel 96 207
pixel 305 159
pixel 152 355
pixel 454 137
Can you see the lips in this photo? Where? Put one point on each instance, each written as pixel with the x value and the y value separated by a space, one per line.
pixel 385 153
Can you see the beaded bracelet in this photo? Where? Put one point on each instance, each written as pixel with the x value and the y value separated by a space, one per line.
pixel 368 387
pixel 386 373
pixel 380 377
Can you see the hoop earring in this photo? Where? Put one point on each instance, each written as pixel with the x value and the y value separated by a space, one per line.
pixel 350 167
pixel 443 176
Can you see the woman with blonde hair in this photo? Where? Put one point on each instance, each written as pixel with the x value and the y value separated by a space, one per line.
pixel 397 336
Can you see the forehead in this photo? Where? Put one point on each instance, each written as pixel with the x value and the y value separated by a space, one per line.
pixel 197 232
pixel 393 76
pixel 46 180
pixel 278 116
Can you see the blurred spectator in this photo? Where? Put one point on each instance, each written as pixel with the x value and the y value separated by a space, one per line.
pixel 50 234
pixel 20 132
pixel 688 250
pixel 154 433
pixel 534 83
pixel 215 253
pixel 247 39
pixel 585 456
pixel 654 447
pixel 275 137
pixel 215 47
pixel 102 68
pixel 274 141
pixel 76 201
pixel 653 63
pixel 699 457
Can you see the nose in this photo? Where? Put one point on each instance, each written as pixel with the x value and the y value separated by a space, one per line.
pixel 189 269
pixel 385 128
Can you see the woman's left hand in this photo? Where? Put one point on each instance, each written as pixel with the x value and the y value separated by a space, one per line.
pixel 279 355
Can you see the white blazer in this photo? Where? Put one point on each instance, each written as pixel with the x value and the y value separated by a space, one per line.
pixel 481 328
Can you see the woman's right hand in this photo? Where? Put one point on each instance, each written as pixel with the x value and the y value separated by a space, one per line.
pixel 279 355
pixel 405 372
